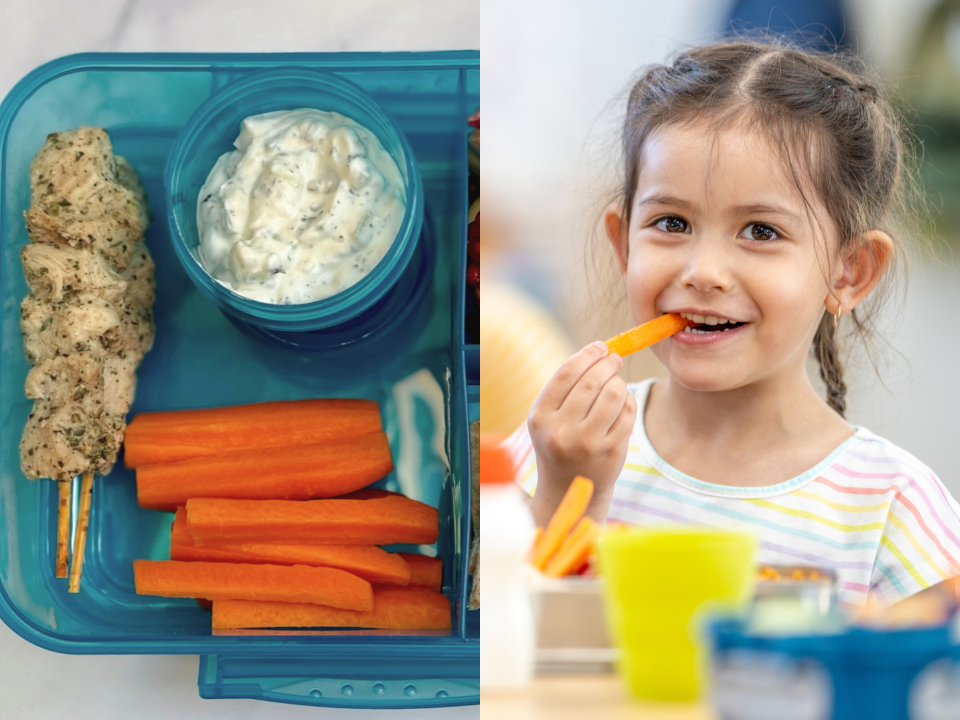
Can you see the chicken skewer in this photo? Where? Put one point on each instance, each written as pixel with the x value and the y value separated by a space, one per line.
pixel 88 319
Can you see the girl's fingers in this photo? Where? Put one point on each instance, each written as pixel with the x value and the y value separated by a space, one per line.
pixel 624 424
pixel 607 408
pixel 584 394
pixel 555 392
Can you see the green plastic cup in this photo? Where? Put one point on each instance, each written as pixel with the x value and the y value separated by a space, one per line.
pixel 654 583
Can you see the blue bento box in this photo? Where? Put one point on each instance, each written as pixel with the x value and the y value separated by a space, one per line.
pixel 416 364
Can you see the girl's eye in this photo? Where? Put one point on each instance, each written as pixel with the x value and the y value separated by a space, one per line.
pixel 756 231
pixel 672 225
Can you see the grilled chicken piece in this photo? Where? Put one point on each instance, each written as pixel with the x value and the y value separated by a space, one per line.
pixel 83 197
pixel 84 325
pixel 55 272
pixel 119 384
pixel 139 278
pixel 68 431
pixel 89 323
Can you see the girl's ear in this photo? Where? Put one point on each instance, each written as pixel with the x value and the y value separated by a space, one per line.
pixel 864 263
pixel 617 234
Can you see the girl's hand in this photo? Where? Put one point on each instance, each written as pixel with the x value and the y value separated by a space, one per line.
pixel 580 424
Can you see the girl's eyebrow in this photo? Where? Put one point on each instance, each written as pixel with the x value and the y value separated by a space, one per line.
pixel 659 199
pixel 767 209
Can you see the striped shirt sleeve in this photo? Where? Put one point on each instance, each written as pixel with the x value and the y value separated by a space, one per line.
pixel 920 544
pixel 524 458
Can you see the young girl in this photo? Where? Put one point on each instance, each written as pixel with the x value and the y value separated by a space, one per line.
pixel 758 188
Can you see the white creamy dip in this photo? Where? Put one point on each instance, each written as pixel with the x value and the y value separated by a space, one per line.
pixel 305 207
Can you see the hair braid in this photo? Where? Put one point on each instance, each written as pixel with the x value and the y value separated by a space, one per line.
pixel 831 369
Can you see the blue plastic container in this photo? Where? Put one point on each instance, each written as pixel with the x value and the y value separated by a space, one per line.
pixel 202 359
pixel 856 674
pixel 211 131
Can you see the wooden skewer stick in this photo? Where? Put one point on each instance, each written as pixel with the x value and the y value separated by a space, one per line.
pixel 63 528
pixel 80 541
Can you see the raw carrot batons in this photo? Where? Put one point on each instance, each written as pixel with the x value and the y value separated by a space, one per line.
pixel 366 561
pixel 378 521
pixel 631 341
pixel 424 571
pixel 571 508
pixel 250 535
pixel 160 437
pixel 294 473
pixel 575 549
pixel 214 581
pixel 394 608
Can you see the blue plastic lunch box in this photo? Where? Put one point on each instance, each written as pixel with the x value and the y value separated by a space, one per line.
pixel 417 365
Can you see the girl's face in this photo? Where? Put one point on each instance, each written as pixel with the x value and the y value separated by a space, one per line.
pixel 719 230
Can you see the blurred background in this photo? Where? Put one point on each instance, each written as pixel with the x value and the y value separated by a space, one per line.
pixel 554 81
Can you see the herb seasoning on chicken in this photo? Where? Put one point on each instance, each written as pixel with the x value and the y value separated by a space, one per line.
pixel 88 320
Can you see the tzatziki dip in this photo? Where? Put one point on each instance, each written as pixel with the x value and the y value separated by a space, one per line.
pixel 305 207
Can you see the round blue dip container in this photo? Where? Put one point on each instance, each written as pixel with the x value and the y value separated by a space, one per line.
pixel 353 313
pixel 865 673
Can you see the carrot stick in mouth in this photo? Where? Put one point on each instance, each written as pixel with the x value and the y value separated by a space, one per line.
pixel 642 336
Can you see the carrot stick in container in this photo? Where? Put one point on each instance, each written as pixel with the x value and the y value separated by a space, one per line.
pixel 335 521
pixel 424 571
pixel 642 336
pixel 409 608
pixel 575 550
pixel 159 437
pixel 369 562
pixel 215 581
pixel 292 473
pixel 571 508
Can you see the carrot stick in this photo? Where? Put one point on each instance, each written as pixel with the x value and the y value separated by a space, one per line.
pixel 63 528
pixel 366 561
pixel 573 505
pixel 424 571
pixel 80 541
pixel 570 539
pixel 631 341
pixel 177 435
pixel 291 473
pixel 394 608
pixel 575 550
pixel 379 521
pixel 537 534
pixel 217 581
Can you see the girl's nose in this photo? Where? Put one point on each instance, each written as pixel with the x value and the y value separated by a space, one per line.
pixel 708 267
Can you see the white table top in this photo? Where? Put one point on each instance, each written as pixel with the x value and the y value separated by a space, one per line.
pixel 36 684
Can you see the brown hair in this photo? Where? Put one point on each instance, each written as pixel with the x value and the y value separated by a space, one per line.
pixel 834 131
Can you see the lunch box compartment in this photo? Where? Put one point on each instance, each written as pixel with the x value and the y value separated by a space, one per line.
pixel 425 385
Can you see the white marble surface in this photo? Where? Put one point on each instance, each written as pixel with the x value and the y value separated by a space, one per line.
pixel 36 684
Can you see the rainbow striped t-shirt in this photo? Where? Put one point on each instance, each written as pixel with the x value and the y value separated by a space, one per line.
pixel 871 511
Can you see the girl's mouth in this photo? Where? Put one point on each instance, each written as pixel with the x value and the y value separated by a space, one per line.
pixel 711 326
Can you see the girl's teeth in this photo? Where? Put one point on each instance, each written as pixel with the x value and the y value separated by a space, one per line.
pixel 697 331
pixel 705 319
